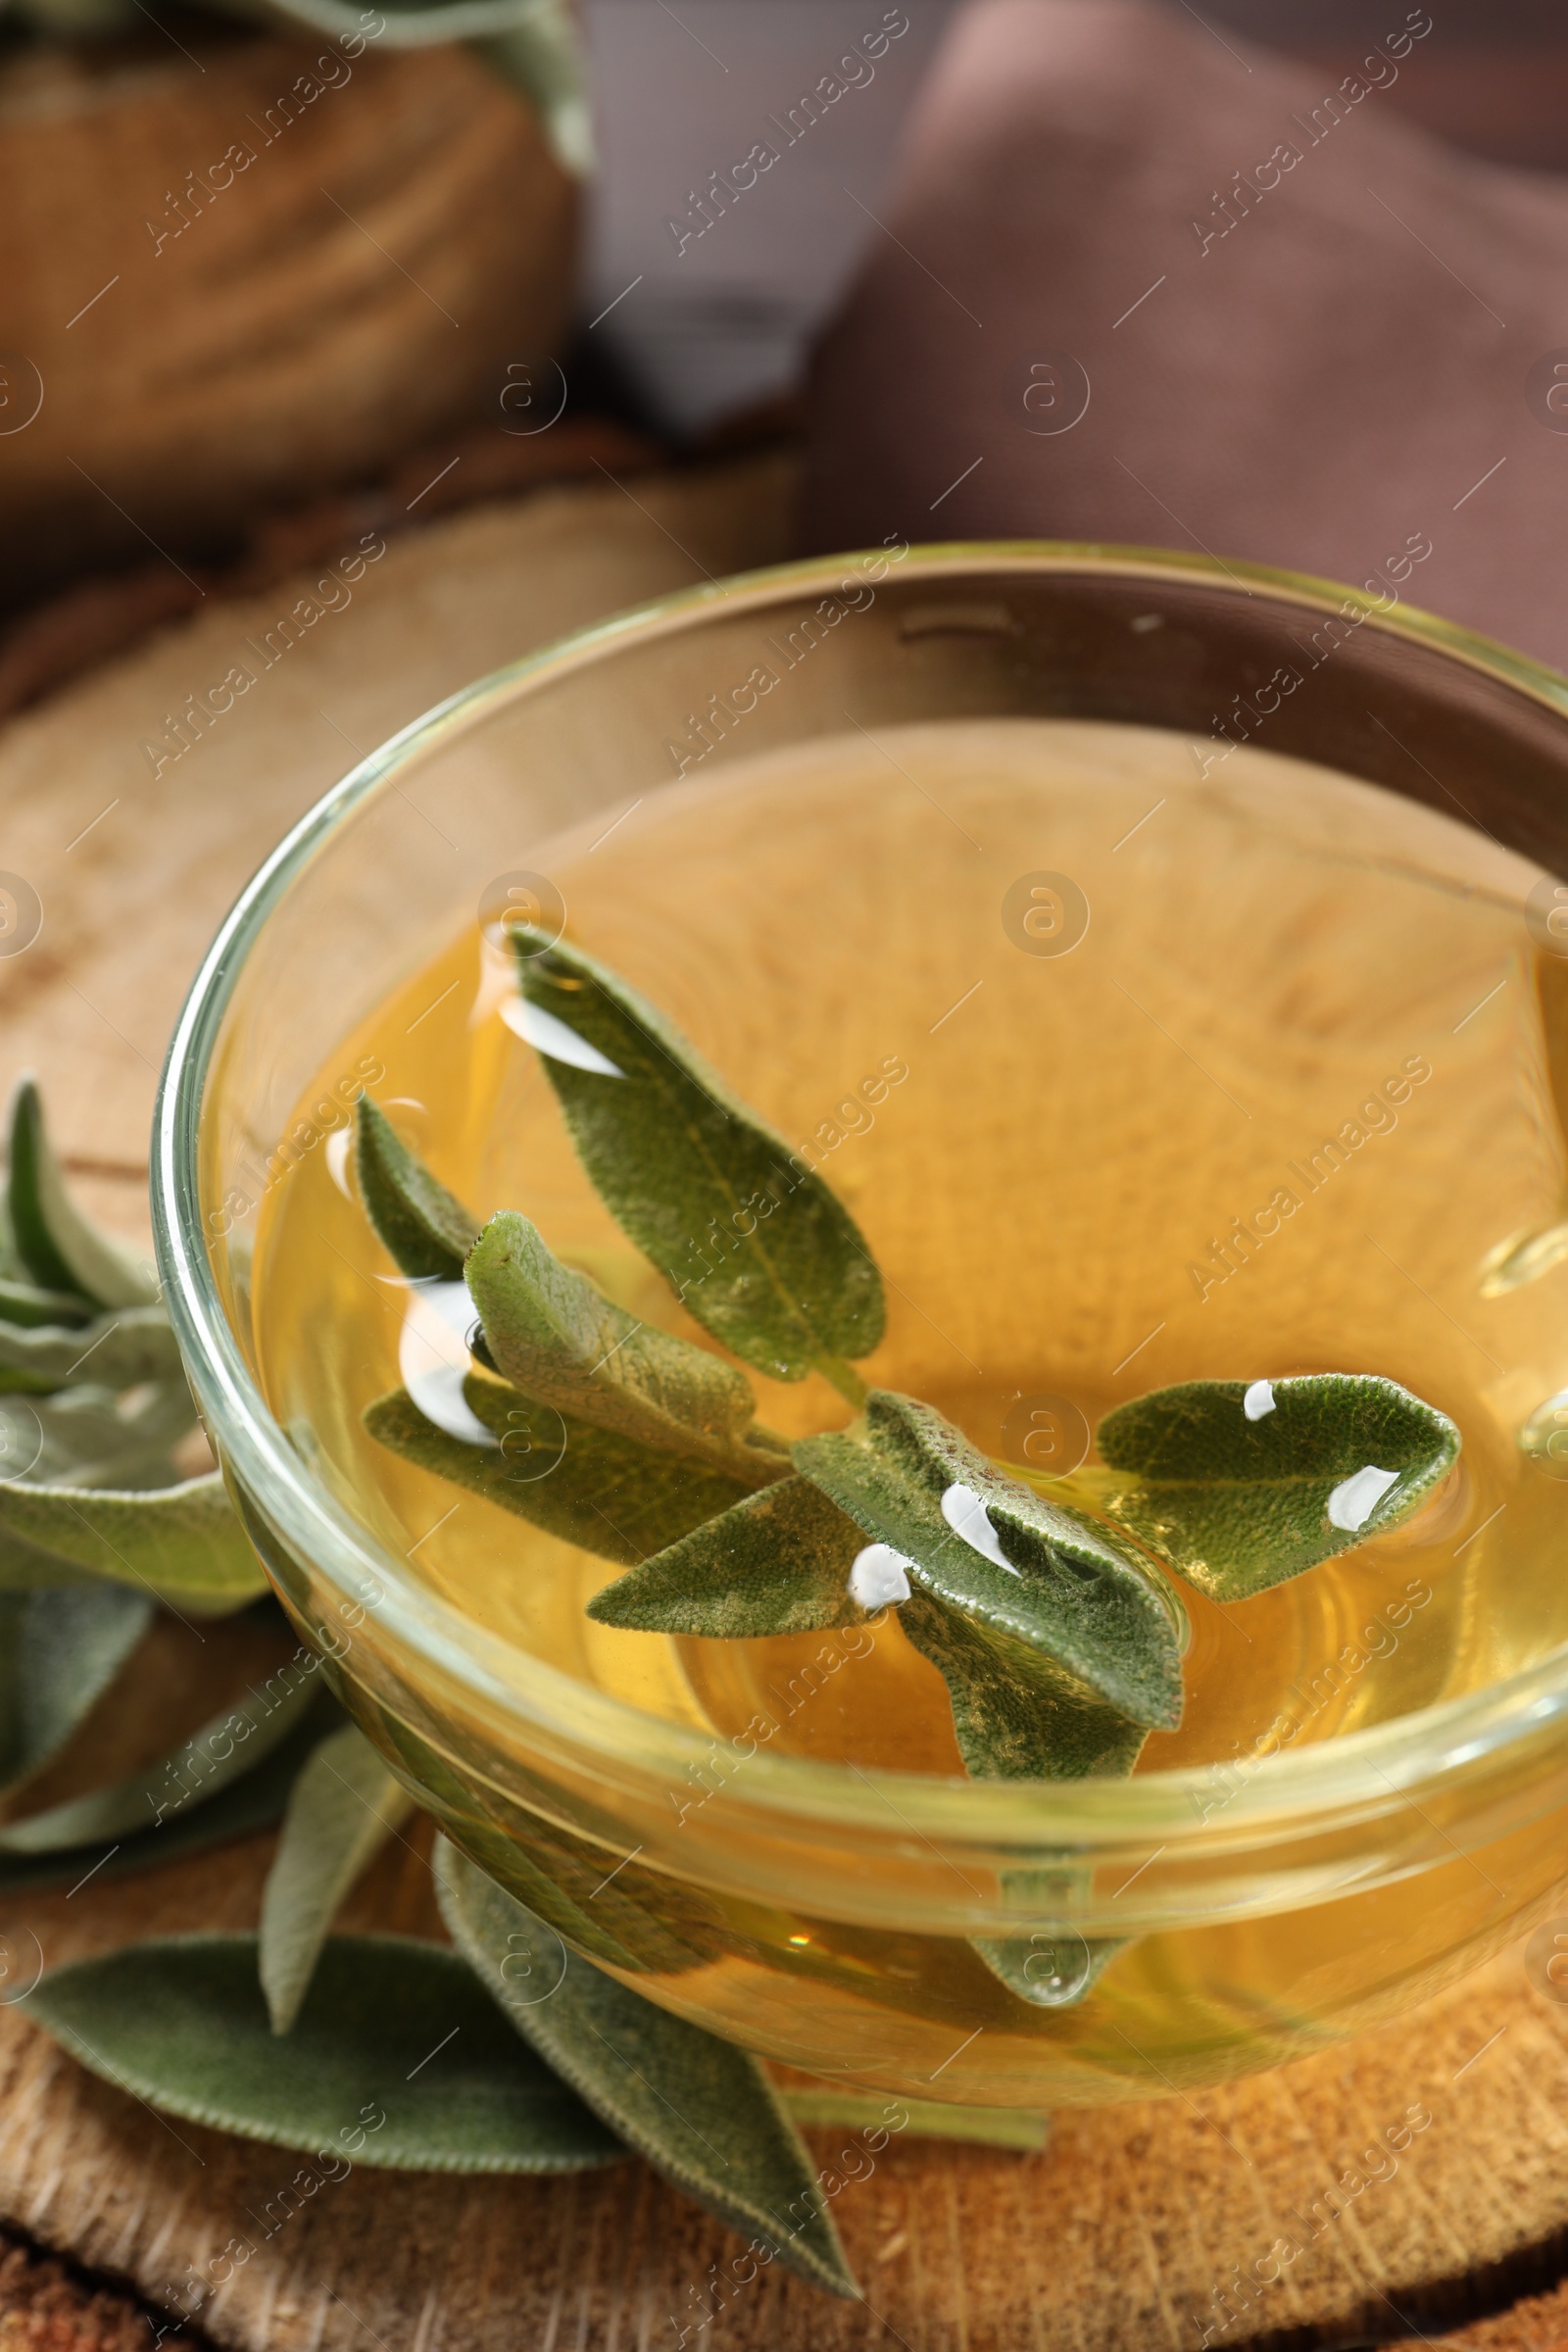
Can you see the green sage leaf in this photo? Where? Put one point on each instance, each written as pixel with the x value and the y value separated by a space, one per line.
pixel 702 2111
pixel 233 1743
pixel 1030 1573
pixel 1056 1966
pixel 89 1434
pixel 608 1494
pixel 116 1350
pixel 237 1810
pixel 182 1543
pixel 564 1884
pixel 24 1304
pixel 752 1242
pixel 776 1563
pixel 1049 1971
pixel 399 2059
pixel 341 1811
pixel 553 1333
pixel 427 1231
pixel 56 1244
pixel 1016 1713
pixel 1238 1487
pixel 59 1652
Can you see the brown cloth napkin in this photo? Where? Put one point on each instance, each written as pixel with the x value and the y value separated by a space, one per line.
pixel 1140 282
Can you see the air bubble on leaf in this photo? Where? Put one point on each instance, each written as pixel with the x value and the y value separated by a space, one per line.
pixel 338 1147
pixel 1056 1970
pixel 1356 1498
pixel 433 1359
pixel 1258 1401
pixel 547 1034
pixel 968 1517
pixel 879 1576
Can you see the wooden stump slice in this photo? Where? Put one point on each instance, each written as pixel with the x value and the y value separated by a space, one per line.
pixel 186 334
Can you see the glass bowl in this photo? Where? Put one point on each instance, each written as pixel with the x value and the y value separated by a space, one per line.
pixel 818 1912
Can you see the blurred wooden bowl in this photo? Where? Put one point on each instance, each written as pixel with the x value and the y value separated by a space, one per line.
pixel 186 337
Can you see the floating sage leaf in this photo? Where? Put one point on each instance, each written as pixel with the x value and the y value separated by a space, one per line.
pixel 1049 1971
pixel 233 1743
pixel 755 1244
pixel 427 1231
pixel 556 1336
pixel 1240 1486
pixel 341 1811
pixel 702 2111
pixel 1027 1575
pixel 56 1244
pixel 253 1802
pixel 182 1543
pixel 919 2118
pixel 605 1492
pixel 1017 1715
pixel 1056 1966
pixel 399 2059
pixel 777 1563
pixel 59 1652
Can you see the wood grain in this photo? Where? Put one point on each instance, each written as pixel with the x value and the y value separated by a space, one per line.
pixel 1117 2236
pixel 203 345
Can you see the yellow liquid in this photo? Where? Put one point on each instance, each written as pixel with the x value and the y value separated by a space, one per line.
pixel 1276 1111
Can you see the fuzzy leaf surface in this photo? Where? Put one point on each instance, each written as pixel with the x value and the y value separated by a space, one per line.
pixel 182 1543
pixel 92 1434
pixel 609 1493
pixel 122 1347
pixel 59 1248
pixel 678 1160
pixel 59 1652
pixel 1017 1715
pixel 1237 1503
pixel 391 2028
pixel 700 2111
pixel 776 1563
pixel 1063 1588
pixel 426 1230
pixel 341 1811
pixel 556 1336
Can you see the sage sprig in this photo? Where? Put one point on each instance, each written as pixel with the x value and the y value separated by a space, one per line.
pixel 1052 1622
pixel 1048 1613
pixel 280 2036
pixel 1005 1580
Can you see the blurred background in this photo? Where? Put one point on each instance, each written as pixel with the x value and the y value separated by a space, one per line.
pixel 256 269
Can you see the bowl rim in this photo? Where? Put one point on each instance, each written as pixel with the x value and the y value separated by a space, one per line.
pixel 1291 1791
